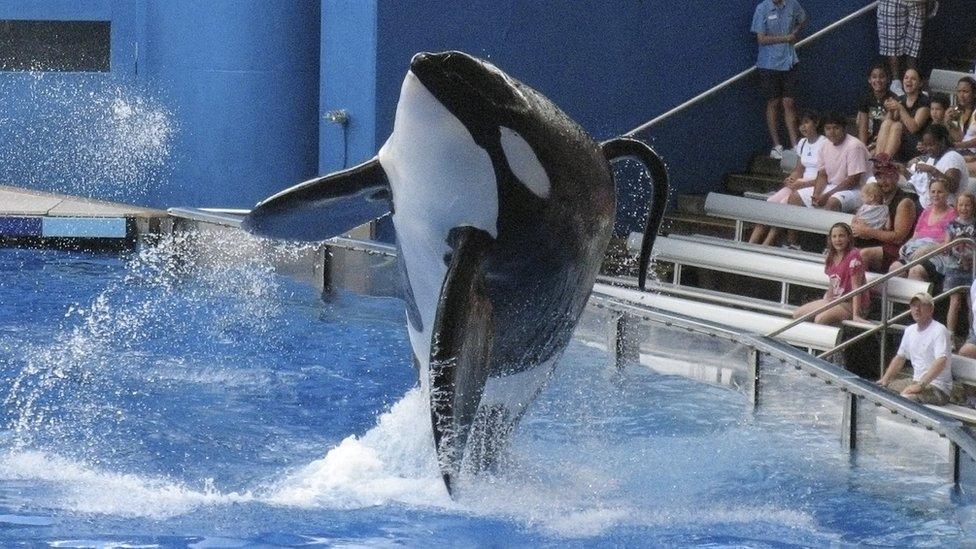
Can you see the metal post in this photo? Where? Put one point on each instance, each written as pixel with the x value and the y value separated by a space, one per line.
pixel 623 341
pixel 738 230
pixel 612 340
pixel 885 316
pixel 676 274
pixel 955 457
pixel 754 369
pixel 848 433
pixel 784 293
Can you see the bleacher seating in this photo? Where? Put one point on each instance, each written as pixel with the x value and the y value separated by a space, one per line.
pixel 748 210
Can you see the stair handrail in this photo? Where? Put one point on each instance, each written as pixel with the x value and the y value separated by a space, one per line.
pixel 880 280
pixel 718 87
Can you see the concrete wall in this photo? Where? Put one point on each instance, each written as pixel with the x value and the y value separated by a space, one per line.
pixel 206 104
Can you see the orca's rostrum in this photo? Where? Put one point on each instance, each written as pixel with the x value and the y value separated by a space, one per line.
pixel 503 208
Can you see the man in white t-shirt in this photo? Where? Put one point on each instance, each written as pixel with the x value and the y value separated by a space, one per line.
pixel 927 345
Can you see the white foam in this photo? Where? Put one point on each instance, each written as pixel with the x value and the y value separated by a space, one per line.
pixel 88 490
pixel 393 462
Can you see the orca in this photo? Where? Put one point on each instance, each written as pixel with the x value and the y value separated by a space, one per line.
pixel 503 208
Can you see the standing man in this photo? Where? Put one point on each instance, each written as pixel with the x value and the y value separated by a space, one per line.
pixel 842 167
pixel 777 24
pixel 926 344
pixel 900 24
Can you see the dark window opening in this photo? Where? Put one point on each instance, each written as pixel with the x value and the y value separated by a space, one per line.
pixel 56 46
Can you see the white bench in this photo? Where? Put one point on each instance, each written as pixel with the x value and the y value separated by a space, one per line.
pixel 963 371
pixel 807 335
pixel 758 264
pixel 748 210
pixel 945 81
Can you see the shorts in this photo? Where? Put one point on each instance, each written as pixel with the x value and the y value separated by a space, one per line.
pixel 900 25
pixel 777 84
pixel 928 395
pixel 850 200
pixel 957 277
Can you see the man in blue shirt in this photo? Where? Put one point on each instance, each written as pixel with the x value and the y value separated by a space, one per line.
pixel 777 24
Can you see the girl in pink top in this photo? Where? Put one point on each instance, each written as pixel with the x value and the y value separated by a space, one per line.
pixel 845 272
pixel 930 230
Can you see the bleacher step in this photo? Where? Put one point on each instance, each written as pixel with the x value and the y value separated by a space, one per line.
pixel 739 183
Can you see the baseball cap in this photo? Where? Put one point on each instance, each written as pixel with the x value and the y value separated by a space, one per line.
pixel 922 297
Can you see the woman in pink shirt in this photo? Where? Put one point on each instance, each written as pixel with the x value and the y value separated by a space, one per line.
pixel 845 272
pixel 930 230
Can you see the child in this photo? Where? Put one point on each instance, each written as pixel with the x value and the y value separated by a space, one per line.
pixel 874 212
pixel 937 109
pixel 956 265
pixel 845 272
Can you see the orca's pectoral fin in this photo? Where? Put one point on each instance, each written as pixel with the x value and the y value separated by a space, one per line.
pixel 460 349
pixel 625 147
pixel 324 207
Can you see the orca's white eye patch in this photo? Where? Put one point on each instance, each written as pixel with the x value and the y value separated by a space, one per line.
pixel 524 163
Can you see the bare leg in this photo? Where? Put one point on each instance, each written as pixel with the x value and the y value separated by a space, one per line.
pixel 758 233
pixel 952 320
pixel 789 113
pixel 889 137
pixel 892 268
pixel 832 204
pixel 804 309
pixel 968 350
pixel 895 65
pixel 835 315
pixel 772 120
pixel 773 237
pixel 917 273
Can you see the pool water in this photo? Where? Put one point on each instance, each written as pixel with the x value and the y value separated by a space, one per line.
pixel 173 398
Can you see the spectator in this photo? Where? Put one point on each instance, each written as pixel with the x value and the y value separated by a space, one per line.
pixel 872 110
pixel 906 117
pixel 927 345
pixel 969 349
pixel 777 24
pixel 798 185
pixel 900 24
pixel 841 169
pixel 930 232
pixel 845 273
pixel 956 265
pixel 938 160
pixel 960 116
pixel 879 248
pixel 873 212
pixel 938 106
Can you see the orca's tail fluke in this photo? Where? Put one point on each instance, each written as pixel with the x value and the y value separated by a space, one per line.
pixel 625 147
pixel 324 207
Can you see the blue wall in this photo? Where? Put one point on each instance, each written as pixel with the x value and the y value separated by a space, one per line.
pixel 207 104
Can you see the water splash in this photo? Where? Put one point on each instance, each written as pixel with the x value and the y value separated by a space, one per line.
pixel 83 135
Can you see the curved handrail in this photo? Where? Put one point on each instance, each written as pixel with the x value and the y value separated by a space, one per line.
pixel 881 279
pixel 715 89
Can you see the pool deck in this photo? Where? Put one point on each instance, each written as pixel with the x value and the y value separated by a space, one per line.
pixel 36 215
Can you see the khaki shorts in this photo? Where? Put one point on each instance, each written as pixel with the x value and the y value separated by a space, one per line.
pixel 928 395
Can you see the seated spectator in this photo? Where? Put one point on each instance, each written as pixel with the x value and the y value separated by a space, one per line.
pixel 905 119
pixel 969 349
pixel 930 232
pixel 880 247
pixel 874 212
pixel 938 160
pixel 871 112
pixel 938 106
pixel 802 177
pixel 956 265
pixel 927 345
pixel 841 168
pixel 960 116
pixel 845 273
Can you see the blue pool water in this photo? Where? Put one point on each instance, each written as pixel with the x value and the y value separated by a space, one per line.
pixel 174 398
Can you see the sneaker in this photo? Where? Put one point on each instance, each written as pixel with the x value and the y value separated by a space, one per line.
pixel 794 247
pixel 776 153
pixel 896 87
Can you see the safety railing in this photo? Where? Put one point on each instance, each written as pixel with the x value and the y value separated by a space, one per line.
pixel 886 319
pixel 718 87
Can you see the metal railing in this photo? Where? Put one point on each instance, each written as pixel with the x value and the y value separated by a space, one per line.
pixel 718 87
pixel 885 319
